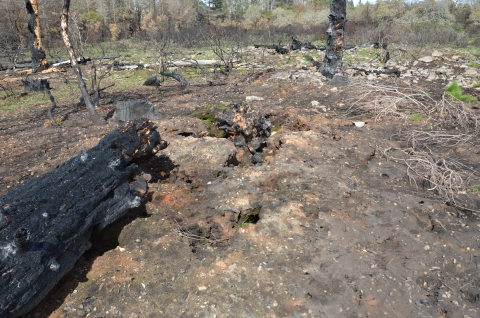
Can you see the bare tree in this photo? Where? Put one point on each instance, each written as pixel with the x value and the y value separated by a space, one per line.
pixel 332 63
pixel 39 59
pixel 76 67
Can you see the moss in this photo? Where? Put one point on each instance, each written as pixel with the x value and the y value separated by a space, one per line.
pixel 416 117
pixel 276 127
pixel 250 216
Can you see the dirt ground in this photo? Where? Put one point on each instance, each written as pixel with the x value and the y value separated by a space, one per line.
pixel 326 226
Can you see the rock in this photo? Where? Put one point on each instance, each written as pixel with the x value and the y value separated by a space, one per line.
pixel 436 53
pixel 282 76
pixel 371 77
pixel 178 128
pixel 199 159
pixel 134 109
pixel 315 103
pixel 339 80
pixel 426 59
pixel 253 98
pixel 471 72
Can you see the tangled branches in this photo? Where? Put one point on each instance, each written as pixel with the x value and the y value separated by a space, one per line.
pixel 447 178
pixel 419 139
pixel 378 100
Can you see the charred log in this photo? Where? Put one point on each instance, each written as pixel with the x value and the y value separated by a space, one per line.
pixel 45 224
pixel 394 71
pixel 176 76
pixel 332 63
pixel 152 81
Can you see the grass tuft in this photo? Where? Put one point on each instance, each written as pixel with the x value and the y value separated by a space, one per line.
pixel 455 92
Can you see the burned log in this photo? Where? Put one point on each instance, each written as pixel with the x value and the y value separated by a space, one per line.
pixel 387 71
pixel 278 48
pixel 45 224
pixel 176 76
pixel 152 81
pixel 247 127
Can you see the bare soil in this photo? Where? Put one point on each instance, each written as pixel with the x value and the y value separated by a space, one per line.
pixel 337 230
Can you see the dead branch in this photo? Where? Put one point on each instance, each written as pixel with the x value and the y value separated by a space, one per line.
pixel 418 139
pixel 378 100
pixel 446 178
pixel 176 76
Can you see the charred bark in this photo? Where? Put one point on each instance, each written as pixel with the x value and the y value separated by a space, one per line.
pixel 45 224
pixel 178 77
pixel 332 63
pixel 39 59
pixel 41 85
pixel 76 67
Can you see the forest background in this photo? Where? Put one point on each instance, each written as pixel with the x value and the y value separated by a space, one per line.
pixel 106 26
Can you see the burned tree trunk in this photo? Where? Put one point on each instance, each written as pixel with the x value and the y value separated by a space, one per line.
pixel 45 224
pixel 332 63
pixel 76 67
pixel 39 59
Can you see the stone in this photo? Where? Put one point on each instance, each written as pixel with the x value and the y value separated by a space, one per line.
pixel 339 80
pixel 253 98
pixel 426 59
pixel 199 159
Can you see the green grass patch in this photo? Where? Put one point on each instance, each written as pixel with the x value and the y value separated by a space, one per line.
pixel 455 92
pixel 276 127
pixel 366 53
pixel 475 189
pixel 17 101
pixel 208 115
pixel 416 117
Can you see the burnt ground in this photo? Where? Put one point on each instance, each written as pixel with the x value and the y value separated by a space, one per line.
pixel 326 226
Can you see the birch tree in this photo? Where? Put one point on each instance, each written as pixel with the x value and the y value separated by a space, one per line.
pixel 76 67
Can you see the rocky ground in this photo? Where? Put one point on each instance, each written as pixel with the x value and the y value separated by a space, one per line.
pixel 328 225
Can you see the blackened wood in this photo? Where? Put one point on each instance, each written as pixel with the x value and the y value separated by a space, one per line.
pixel 332 63
pixel 45 224
pixel 177 76
pixel 394 71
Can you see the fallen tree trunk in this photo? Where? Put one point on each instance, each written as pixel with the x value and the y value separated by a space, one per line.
pixel 45 224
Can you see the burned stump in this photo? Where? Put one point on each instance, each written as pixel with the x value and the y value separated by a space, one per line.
pixel 332 63
pixel 129 110
pixel 247 127
pixel 45 224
